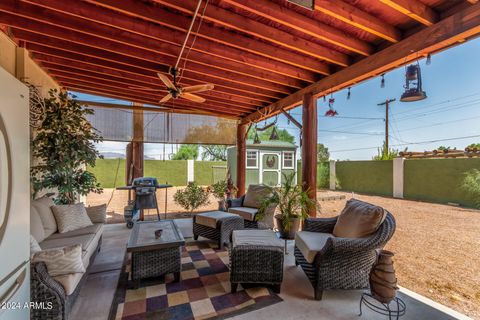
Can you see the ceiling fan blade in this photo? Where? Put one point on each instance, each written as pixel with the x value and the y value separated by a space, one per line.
pixel 192 97
pixel 198 88
pixel 166 98
pixel 143 88
pixel 166 80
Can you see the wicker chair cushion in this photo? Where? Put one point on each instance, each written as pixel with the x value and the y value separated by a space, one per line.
pixel 42 205
pixel 311 243
pixel 62 260
pixel 97 214
pixel 244 212
pixel 358 219
pixel 255 195
pixel 34 246
pixel 255 237
pixel 84 240
pixel 36 226
pixel 93 229
pixel 69 281
pixel 210 219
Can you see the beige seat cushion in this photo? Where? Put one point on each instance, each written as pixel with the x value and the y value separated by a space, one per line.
pixel 69 281
pixel 90 249
pixel 256 237
pixel 210 219
pixel 97 214
pixel 244 212
pixel 83 240
pixel 61 261
pixel 255 195
pixel 36 226
pixel 71 217
pixel 311 243
pixel 34 246
pixel 96 227
pixel 358 219
pixel 42 205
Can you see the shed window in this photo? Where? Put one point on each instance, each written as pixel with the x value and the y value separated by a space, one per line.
pixel 252 159
pixel 288 160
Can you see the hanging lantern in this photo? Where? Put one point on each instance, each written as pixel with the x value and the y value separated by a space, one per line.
pixel 274 134
pixel 413 84
pixel 256 139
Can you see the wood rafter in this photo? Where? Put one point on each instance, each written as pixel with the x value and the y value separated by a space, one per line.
pixel 234 21
pixel 353 16
pixel 450 31
pixel 414 9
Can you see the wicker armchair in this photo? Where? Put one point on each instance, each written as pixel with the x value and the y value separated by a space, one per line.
pixel 265 223
pixel 343 263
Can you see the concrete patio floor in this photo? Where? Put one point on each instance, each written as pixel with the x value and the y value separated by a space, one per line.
pixel 96 296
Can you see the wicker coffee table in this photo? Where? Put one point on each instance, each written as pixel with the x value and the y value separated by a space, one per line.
pixel 153 257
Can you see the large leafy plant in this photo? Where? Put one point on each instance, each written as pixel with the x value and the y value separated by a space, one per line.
pixel 192 197
pixel 471 184
pixel 219 189
pixel 291 200
pixel 62 148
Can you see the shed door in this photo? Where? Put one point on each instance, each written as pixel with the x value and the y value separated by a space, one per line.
pixel 270 169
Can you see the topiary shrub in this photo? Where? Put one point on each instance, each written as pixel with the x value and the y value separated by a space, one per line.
pixel 192 197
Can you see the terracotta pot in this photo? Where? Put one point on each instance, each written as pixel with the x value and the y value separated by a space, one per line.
pixel 383 283
pixel 294 226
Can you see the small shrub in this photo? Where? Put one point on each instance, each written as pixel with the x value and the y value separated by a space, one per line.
pixel 218 189
pixel 471 184
pixel 192 197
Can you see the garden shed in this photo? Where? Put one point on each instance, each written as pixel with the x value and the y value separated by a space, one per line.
pixel 265 161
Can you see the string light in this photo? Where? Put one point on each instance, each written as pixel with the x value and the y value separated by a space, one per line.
pixel 348 94
pixel 382 82
pixel 429 59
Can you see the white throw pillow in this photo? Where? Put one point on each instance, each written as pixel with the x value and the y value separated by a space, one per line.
pixel 62 260
pixel 34 246
pixel 71 217
pixel 98 214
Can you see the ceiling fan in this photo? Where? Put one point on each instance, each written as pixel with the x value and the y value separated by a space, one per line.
pixel 175 91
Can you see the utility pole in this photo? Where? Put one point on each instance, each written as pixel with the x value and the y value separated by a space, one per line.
pixel 386 103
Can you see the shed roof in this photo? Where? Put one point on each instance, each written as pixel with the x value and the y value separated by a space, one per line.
pixel 271 144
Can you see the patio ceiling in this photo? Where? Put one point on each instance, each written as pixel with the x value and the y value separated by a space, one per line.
pixel 262 56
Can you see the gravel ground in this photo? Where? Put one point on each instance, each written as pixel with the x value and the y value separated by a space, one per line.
pixel 437 247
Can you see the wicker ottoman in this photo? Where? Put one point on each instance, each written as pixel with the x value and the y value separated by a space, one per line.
pixel 256 256
pixel 216 225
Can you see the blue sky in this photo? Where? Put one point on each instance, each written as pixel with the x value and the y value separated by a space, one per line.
pixel 451 110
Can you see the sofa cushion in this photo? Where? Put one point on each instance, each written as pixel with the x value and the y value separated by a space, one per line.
pixel 210 219
pixel 42 205
pixel 36 226
pixel 70 281
pixel 255 237
pixel 311 243
pixel 255 195
pixel 244 212
pixel 97 214
pixel 34 246
pixel 83 240
pixel 358 219
pixel 94 228
pixel 90 249
pixel 71 217
pixel 62 260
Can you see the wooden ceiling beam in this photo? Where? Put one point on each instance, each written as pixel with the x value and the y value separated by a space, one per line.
pixel 108 17
pixel 257 29
pixel 55 24
pixel 414 9
pixel 62 58
pixel 304 24
pixel 448 32
pixel 166 18
pixel 362 20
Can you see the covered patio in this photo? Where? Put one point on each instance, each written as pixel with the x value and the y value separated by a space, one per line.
pixel 258 59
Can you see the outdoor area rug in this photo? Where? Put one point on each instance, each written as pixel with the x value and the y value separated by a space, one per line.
pixel 202 293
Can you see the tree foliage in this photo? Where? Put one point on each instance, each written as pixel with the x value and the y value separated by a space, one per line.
pixel 471 184
pixel 283 134
pixel 192 197
pixel 186 152
pixel 62 148
pixel 386 154
pixel 219 189
pixel 322 153
pixel 214 152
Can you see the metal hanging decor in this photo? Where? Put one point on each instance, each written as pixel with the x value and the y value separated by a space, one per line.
pixel 37 106
pixel 274 134
pixel 331 112
pixel 256 139
pixel 413 84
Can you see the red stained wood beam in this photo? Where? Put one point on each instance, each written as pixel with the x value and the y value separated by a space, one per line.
pixel 414 9
pixel 304 24
pixel 163 17
pixel 362 20
pixel 157 53
pixel 257 29
pixel 101 15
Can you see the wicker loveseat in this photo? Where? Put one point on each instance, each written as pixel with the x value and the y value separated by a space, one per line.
pixel 342 263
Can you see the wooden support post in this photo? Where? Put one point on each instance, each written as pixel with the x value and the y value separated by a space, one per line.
pixel 309 147
pixel 137 145
pixel 241 158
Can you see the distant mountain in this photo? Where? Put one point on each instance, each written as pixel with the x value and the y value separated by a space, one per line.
pixel 117 155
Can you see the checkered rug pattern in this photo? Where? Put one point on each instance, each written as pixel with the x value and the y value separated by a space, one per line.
pixel 202 293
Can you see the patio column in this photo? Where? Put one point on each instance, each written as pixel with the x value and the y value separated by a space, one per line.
pixel 137 143
pixel 309 147
pixel 241 158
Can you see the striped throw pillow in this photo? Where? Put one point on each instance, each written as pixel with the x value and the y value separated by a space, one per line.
pixel 61 261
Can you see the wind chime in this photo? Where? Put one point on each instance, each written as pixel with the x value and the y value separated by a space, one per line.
pixel 273 135
pixel 331 112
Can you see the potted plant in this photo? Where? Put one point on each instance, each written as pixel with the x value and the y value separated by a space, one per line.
pixel 293 204
pixel 192 197
pixel 219 191
pixel 63 146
